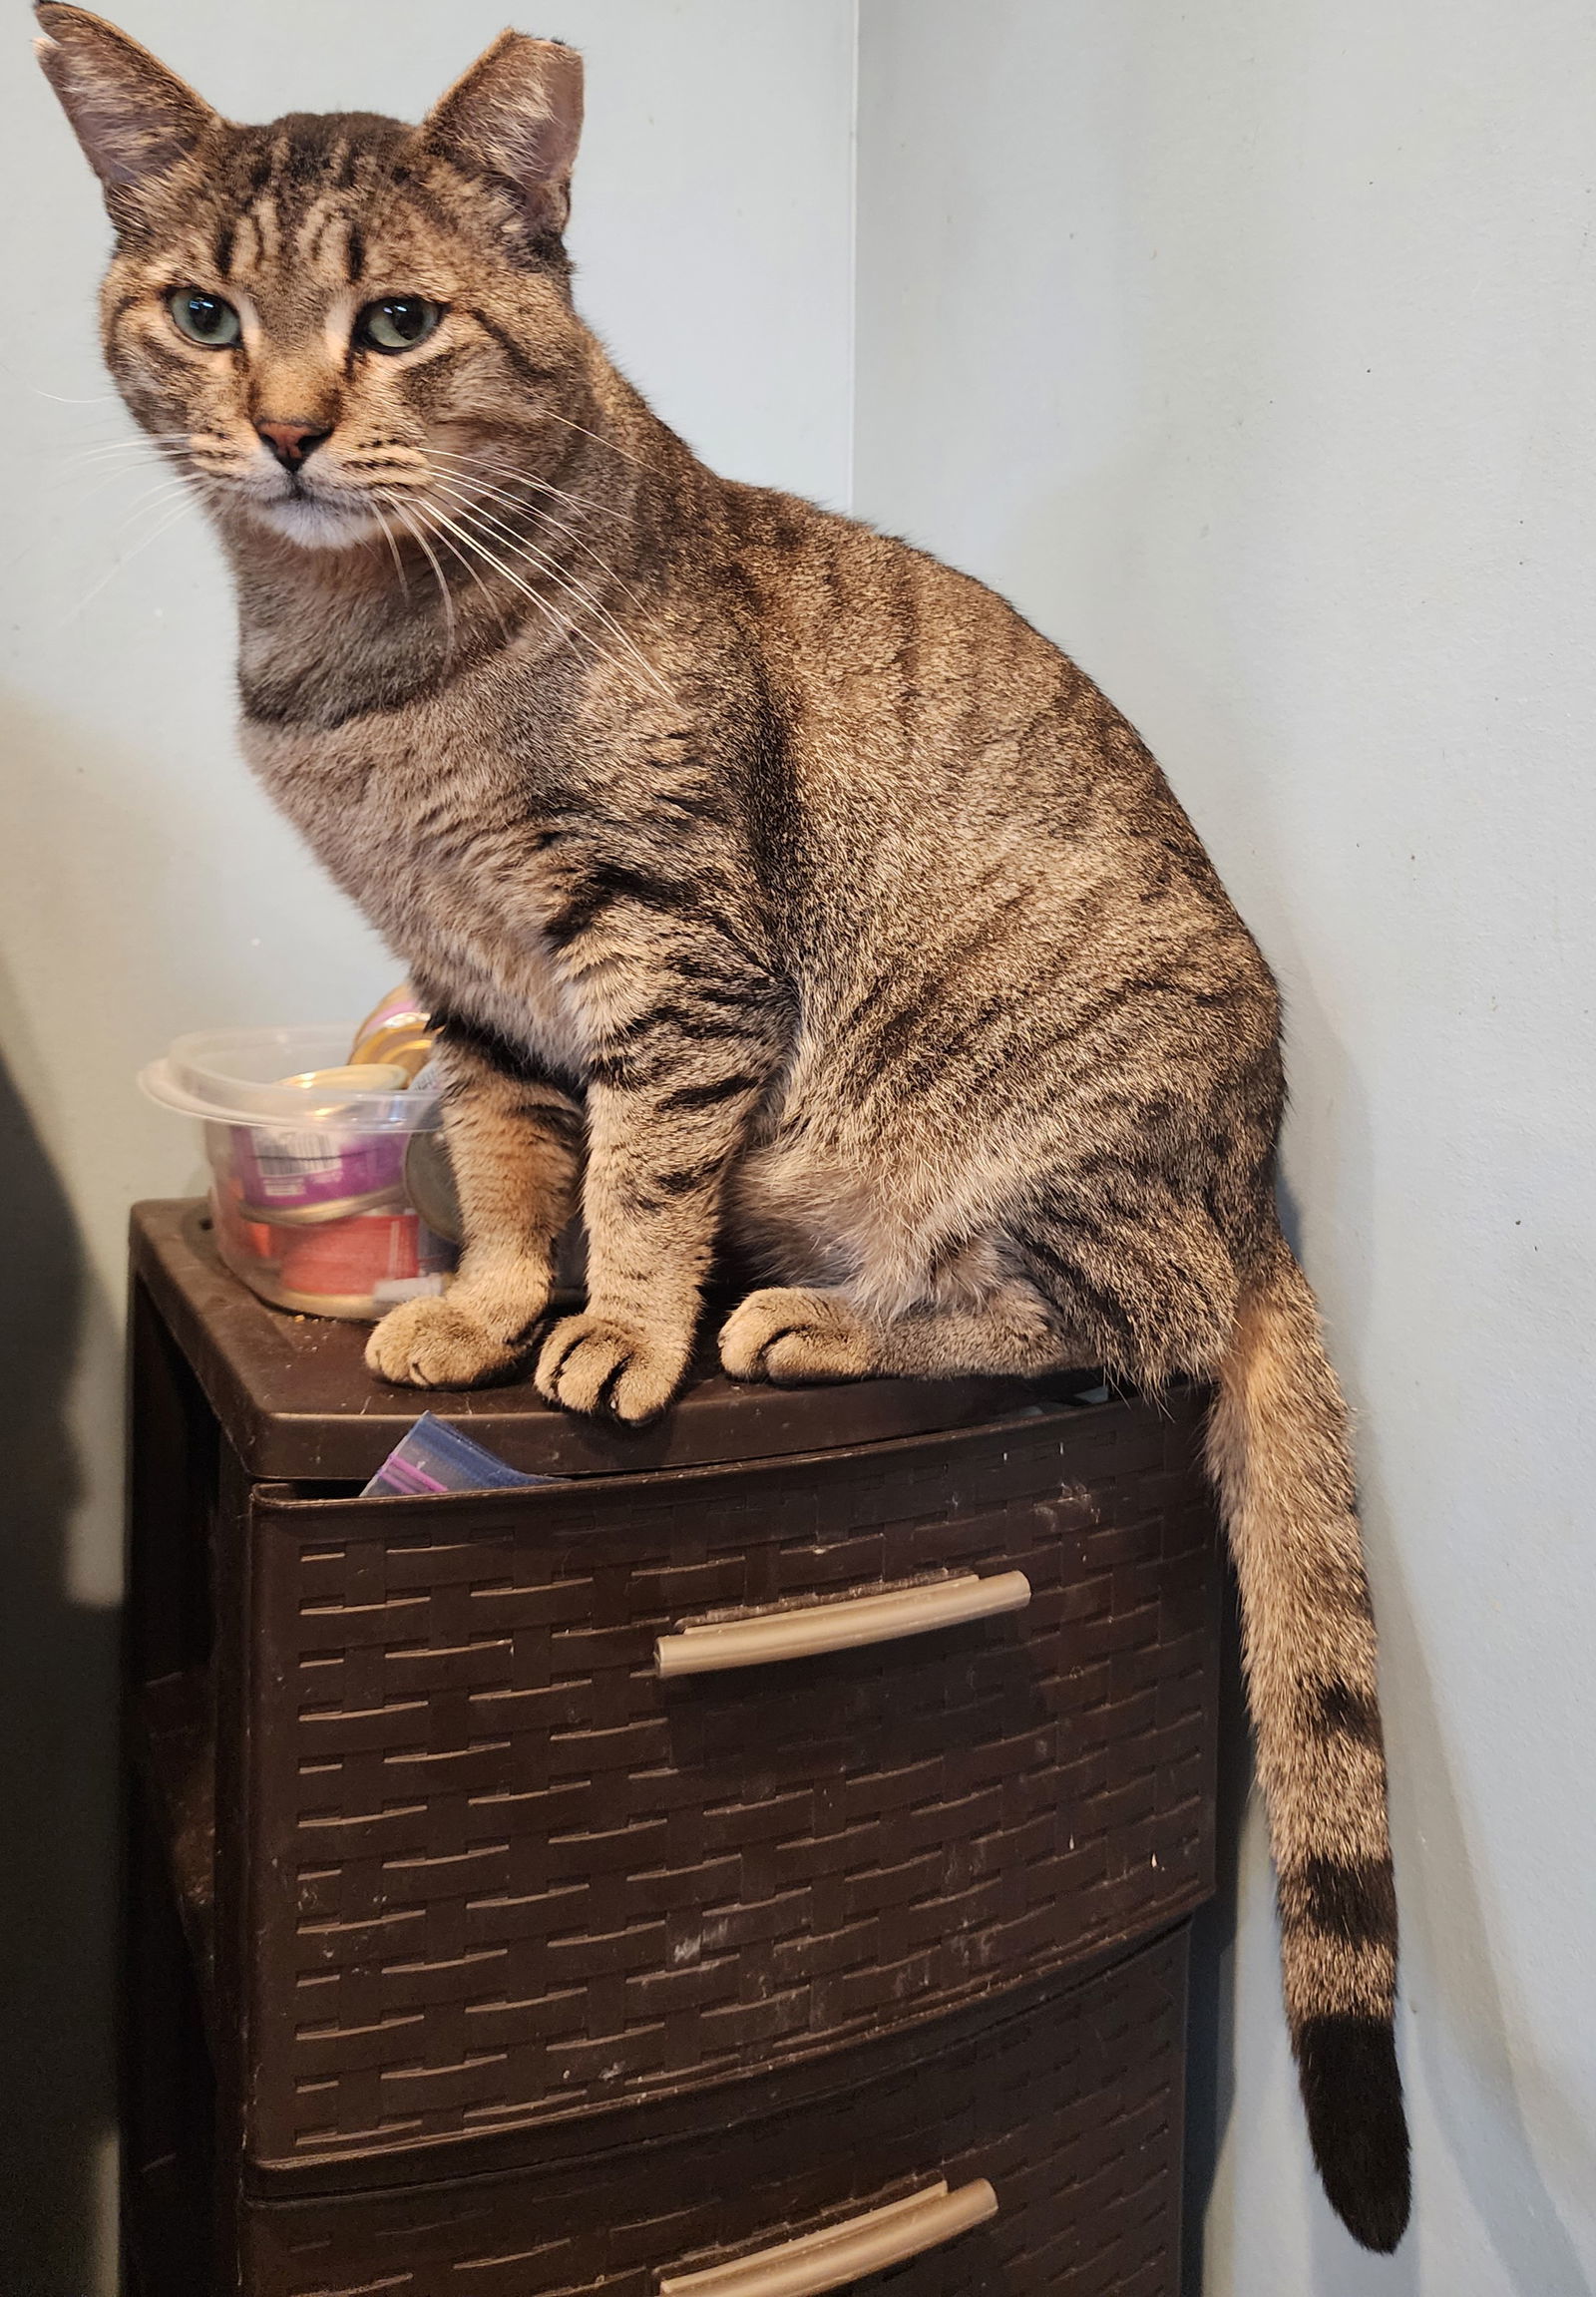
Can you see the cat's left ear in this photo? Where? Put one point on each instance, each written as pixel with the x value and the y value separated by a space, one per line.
pixel 516 115
pixel 134 119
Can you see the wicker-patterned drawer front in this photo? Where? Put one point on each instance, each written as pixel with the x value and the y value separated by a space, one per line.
pixel 1072 2112
pixel 502 1872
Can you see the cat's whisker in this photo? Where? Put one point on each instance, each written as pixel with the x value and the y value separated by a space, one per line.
pixel 171 517
pixel 464 507
pixel 562 623
pixel 547 414
pixel 104 481
pixel 441 523
pixel 393 547
pixel 153 499
pixel 475 573
pixel 444 592
pixel 59 399
pixel 573 588
pixel 632 661
pixel 472 464
pixel 472 468
pixel 95 450
pixel 109 467
pixel 163 491
pixel 100 475
pixel 464 494
pixel 503 538
pixel 105 449
pixel 537 511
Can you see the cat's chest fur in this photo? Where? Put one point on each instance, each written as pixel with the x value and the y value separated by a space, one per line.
pixel 431 825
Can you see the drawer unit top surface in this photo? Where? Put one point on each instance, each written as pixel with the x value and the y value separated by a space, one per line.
pixel 502 1872
pixel 296 1401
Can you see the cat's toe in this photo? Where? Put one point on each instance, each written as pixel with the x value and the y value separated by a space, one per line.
pixel 434 1344
pixel 595 1363
pixel 790 1336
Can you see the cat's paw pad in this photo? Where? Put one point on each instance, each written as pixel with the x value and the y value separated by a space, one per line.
pixel 598 1364
pixel 788 1335
pixel 434 1344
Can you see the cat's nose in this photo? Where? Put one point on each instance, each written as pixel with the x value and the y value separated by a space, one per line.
pixel 292 442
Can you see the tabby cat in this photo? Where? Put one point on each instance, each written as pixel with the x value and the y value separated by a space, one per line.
pixel 771 882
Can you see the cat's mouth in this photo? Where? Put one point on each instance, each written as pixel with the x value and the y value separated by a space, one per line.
pixel 317 517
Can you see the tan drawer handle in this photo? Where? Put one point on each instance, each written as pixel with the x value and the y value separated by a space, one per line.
pixel 809 1628
pixel 844 2253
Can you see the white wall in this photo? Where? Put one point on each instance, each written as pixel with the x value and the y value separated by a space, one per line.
pixel 145 886
pixel 1249 348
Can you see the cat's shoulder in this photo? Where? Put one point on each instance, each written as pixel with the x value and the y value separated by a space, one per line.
pixel 789 547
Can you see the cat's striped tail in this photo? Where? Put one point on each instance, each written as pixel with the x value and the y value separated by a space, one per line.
pixel 1279 1453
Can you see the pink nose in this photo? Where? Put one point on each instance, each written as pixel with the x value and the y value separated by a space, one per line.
pixel 292 442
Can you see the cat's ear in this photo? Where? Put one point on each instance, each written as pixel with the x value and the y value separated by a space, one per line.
pixel 516 115
pixel 134 119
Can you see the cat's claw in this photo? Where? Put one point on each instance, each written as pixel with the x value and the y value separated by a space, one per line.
pixel 598 1364
pixel 434 1344
pixel 790 1335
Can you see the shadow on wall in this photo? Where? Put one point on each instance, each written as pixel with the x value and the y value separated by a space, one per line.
pixel 58 1665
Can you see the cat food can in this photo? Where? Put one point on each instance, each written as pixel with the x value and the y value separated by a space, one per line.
pixel 307 1156
pixel 399 1030
pixel 313 1175
pixel 350 1266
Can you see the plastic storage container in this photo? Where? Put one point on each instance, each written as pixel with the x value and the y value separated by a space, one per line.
pixel 316 1166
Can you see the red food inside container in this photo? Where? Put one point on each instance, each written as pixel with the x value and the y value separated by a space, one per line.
pixel 348 1256
pixel 248 1239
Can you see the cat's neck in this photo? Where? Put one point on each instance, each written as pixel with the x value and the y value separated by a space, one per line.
pixel 326 634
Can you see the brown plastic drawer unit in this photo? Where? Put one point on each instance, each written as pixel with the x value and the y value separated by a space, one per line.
pixel 776 1831
pixel 1054 2137
pixel 504 1869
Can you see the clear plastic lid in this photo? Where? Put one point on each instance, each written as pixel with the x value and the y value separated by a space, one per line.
pixel 273 1077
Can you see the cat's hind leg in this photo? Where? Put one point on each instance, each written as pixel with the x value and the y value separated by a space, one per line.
pixel 792 1334
pixel 1146 1288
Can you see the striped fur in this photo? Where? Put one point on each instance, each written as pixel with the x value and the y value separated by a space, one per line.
pixel 1278 1450
pixel 773 883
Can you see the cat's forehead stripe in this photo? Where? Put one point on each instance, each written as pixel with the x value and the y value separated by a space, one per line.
pixel 297 197
pixel 313 228
pixel 263 216
pixel 288 182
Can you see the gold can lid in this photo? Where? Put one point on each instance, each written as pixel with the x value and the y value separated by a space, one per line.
pixel 399 1018
pixel 317 1215
pixel 367 1077
pixel 403 1043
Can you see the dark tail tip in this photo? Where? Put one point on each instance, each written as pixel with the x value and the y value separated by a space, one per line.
pixel 1353 2093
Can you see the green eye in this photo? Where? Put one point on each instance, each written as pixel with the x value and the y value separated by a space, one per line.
pixel 397 323
pixel 203 318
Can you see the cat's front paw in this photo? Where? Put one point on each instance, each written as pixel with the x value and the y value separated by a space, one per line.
pixel 791 1335
pixel 598 1364
pixel 434 1344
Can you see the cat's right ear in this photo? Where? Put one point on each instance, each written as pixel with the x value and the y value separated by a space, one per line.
pixel 134 119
